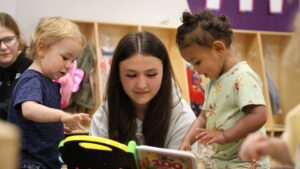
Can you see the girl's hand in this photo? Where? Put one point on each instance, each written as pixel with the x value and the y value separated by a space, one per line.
pixel 73 121
pixel 206 136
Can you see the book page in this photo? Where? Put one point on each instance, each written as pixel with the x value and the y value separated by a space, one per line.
pixel 153 158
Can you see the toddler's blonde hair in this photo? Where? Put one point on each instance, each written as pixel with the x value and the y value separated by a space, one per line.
pixel 50 31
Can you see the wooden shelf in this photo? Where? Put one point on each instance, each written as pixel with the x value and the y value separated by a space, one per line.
pixel 277 130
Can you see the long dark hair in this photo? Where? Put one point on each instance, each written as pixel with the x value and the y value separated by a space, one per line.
pixel 203 28
pixel 122 114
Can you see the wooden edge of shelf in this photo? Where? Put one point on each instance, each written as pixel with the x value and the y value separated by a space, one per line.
pixel 262 32
pixel 175 27
pixel 276 128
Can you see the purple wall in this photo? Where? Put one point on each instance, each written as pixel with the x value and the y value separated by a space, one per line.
pixel 258 19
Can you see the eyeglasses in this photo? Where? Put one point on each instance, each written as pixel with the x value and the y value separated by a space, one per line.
pixel 9 41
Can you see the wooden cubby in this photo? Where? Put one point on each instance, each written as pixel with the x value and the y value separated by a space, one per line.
pixel 109 34
pixel 262 50
pixel 273 46
pixel 247 46
pixel 168 36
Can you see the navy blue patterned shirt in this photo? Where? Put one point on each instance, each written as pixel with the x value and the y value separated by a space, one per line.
pixel 39 140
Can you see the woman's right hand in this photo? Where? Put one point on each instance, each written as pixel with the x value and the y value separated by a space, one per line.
pixel 185 146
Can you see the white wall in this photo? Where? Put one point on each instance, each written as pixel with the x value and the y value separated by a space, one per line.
pixel 146 12
pixel 8 6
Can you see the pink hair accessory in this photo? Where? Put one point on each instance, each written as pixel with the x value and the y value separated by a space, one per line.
pixel 70 83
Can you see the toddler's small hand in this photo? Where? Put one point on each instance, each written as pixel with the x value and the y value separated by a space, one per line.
pixel 206 136
pixel 67 130
pixel 73 121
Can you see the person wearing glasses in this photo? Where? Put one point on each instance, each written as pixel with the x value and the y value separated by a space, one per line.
pixel 13 61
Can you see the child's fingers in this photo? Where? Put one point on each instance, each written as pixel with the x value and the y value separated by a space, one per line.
pixel 67 130
pixel 212 140
pixel 201 134
pixel 78 117
pixel 205 139
pixel 87 117
pixel 84 116
pixel 79 126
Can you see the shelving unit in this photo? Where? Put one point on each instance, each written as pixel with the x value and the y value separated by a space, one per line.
pixel 274 44
pixel 262 50
pixel 168 36
pixel 247 46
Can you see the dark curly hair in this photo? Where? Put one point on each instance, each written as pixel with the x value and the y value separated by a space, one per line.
pixel 203 28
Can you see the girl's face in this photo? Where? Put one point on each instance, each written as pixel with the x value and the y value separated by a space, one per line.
pixel 9 45
pixel 56 60
pixel 141 77
pixel 204 60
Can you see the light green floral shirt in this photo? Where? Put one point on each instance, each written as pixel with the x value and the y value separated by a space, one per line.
pixel 224 99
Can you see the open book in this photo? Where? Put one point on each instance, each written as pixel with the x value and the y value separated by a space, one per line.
pixel 87 152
